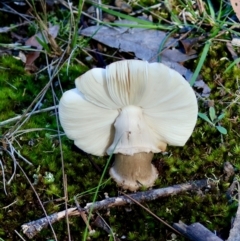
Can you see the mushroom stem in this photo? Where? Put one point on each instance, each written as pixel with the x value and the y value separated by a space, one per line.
pixel 131 172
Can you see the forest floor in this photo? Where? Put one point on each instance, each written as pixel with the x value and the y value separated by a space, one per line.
pixel 44 46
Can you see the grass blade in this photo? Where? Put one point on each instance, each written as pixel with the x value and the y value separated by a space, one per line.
pixel 211 9
pixel 142 23
pixel 161 47
pixel 236 61
pixel 200 63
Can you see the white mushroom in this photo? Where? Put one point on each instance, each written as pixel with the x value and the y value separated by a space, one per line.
pixel 132 109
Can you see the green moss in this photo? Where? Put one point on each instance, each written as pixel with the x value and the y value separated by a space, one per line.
pixel 95 235
pixel 132 236
pixel 4 38
pixel 69 73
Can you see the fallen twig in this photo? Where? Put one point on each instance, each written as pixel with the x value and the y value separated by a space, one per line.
pixel 32 228
pixel 31 113
pixel 196 232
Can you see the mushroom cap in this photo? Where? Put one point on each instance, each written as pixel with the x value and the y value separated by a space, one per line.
pixel 152 102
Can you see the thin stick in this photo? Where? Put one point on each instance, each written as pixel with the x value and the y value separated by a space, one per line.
pixel 3 177
pixel 19 235
pixel 83 214
pixel 31 113
pixel 48 221
pixel 32 228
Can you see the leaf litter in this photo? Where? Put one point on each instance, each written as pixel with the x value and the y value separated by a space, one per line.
pixel 145 44
pixel 36 41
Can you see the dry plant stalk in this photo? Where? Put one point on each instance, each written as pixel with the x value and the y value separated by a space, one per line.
pixel 33 228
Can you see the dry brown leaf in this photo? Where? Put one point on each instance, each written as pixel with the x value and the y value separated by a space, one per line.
pixel 236 7
pixel 145 44
pixel 232 50
pixel 32 41
pixel 190 43
pixel 125 7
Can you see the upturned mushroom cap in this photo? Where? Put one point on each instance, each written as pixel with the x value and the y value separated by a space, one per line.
pixel 130 107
